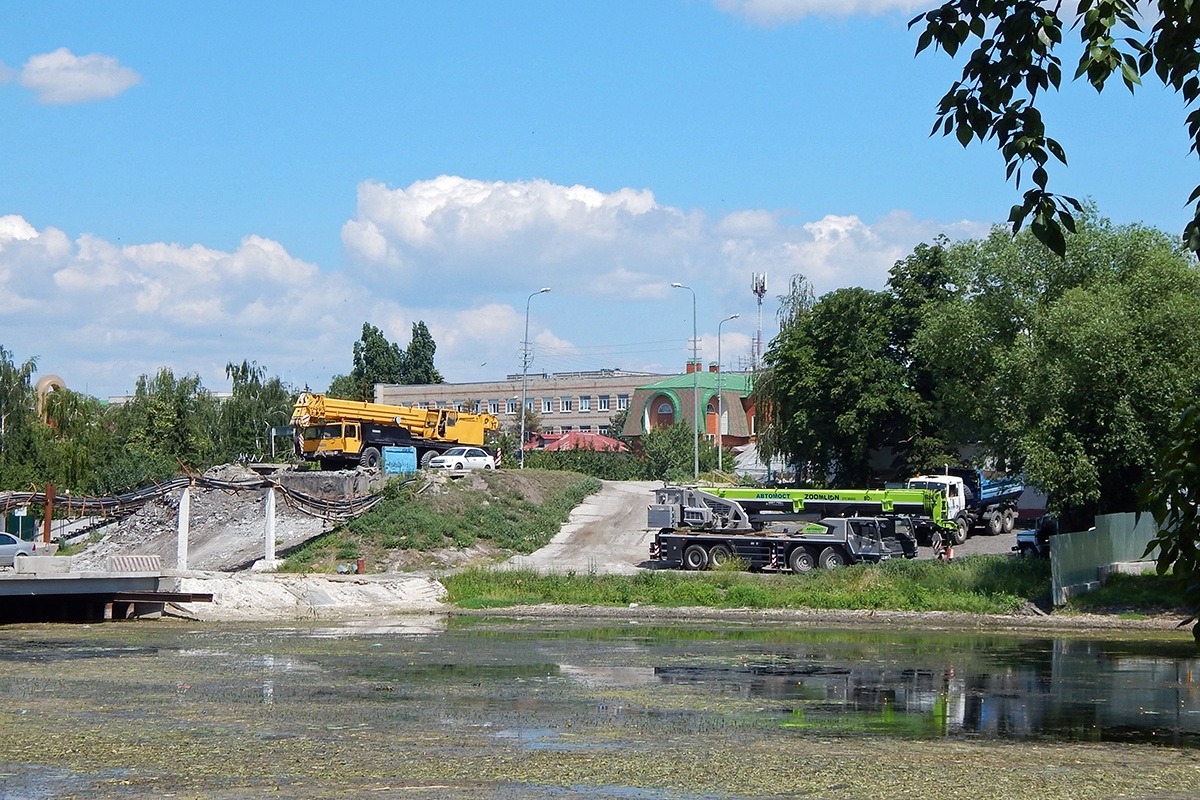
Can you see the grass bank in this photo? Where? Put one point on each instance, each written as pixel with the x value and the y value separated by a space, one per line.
pixel 977 584
pixel 508 511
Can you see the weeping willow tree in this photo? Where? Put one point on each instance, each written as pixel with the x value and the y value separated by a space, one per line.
pixel 18 420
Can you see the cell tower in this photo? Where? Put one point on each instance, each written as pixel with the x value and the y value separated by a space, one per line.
pixel 759 287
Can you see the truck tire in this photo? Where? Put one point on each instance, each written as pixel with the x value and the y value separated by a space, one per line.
pixel 995 523
pixel 719 555
pixel 801 560
pixel 1010 520
pixel 832 557
pixel 369 457
pixel 695 557
pixel 962 530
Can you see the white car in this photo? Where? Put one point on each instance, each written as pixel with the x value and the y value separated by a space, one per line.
pixel 463 458
pixel 12 548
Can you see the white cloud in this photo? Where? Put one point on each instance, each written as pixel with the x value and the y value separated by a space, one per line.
pixel 461 255
pixel 775 12
pixel 62 77
pixel 473 238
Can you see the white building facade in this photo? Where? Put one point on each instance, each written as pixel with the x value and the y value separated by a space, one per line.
pixel 565 401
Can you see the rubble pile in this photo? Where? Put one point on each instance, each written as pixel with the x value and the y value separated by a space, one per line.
pixel 227 528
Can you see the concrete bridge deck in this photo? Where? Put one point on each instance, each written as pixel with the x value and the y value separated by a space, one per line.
pixel 44 589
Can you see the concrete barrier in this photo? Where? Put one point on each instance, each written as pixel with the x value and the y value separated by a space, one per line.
pixel 42 565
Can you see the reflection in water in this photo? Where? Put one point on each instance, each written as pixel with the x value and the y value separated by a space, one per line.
pixel 1052 689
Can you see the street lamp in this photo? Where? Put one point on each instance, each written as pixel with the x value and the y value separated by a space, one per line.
pixel 695 388
pixel 719 369
pixel 525 372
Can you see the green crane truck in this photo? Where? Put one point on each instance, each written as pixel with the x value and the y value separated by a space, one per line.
pixel 698 528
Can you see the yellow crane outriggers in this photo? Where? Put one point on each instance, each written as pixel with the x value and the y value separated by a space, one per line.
pixel 344 433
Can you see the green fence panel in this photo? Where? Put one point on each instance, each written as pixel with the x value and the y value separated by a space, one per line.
pixel 1075 558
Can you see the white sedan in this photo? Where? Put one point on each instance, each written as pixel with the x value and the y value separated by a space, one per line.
pixel 12 548
pixel 463 458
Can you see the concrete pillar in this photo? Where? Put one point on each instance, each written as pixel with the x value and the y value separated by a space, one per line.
pixel 269 552
pixel 185 510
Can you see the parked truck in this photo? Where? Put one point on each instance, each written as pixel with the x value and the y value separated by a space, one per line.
pixel 343 433
pixel 975 499
pixel 927 508
pixel 698 529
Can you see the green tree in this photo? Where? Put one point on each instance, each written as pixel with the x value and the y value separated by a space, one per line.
pixel 778 417
pixel 1170 496
pixel 668 453
pixel 18 420
pixel 919 284
pixel 418 358
pixel 1016 60
pixel 255 405
pixel 78 445
pixel 376 360
pixel 170 421
pixel 1070 369
pixel 838 388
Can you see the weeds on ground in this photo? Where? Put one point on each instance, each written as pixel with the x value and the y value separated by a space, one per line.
pixel 1132 596
pixel 976 584
pixel 461 515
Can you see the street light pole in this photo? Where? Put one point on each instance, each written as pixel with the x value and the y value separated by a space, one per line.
pixel 695 388
pixel 720 466
pixel 525 373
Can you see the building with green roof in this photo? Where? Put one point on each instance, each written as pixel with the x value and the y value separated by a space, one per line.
pixel 674 399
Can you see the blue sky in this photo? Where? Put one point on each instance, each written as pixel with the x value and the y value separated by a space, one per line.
pixel 189 185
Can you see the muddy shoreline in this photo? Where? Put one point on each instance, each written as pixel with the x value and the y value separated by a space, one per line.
pixel 276 597
pixel 1160 625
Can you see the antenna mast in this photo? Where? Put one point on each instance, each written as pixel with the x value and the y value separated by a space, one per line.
pixel 759 287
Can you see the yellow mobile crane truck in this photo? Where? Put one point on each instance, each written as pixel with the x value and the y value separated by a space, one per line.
pixel 343 433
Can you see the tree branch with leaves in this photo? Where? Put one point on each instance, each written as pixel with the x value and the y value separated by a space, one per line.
pixel 1016 60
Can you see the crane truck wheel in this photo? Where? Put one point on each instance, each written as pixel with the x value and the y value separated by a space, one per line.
pixel 695 557
pixel 369 457
pixel 801 560
pixel 719 555
pixel 995 523
pixel 1010 520
pixel 831 557
pixel 961 530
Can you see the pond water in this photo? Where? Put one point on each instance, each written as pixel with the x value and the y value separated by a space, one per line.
pixel 142 709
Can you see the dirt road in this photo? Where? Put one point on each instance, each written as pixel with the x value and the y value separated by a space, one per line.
pixel 607 534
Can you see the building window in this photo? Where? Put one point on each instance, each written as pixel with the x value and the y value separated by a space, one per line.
pixel 603 401
pixel 622 402
pixel 566 404
pixel 547 405
pixel 585 403
pixel 566 428
pixel 511 406
pixel 604 430
pixel 494 407
pixel 585 428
